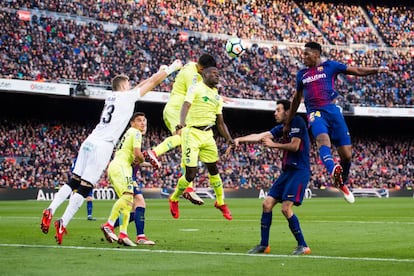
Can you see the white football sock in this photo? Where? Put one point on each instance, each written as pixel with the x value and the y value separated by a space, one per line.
pixel 60 196
pixel 75 202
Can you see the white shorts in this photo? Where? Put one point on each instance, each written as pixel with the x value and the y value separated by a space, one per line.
pixel 93 157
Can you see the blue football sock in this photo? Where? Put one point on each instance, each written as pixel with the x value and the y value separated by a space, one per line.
pixel 265 224
pixel 346 166
pixel 327 158
pixel 140 220
pixel 89 207
pixel 296 231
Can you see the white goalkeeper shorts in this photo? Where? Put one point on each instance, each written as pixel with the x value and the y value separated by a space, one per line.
pixel 93 157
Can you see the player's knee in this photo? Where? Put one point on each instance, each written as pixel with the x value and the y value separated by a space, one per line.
pixel 190 173
pixel 286 211
pixel 139 201
pixel 267 206
pixel 84 190
pixel 74 183
pixel 212 168
pixel 323 140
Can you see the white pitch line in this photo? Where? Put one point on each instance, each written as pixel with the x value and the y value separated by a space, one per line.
pixel 212 253
pixel 241 220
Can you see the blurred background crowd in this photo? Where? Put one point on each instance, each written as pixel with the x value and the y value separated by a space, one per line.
pixel 39 155
pixel 92 41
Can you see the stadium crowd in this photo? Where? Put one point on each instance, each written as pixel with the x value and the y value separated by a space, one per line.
pixel 92 41
pixel 38 154
pixel 55 47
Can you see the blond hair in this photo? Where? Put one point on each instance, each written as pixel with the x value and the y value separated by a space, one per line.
pixel 117 81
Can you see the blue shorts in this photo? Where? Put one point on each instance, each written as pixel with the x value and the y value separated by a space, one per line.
pixel 330 120
pixel 138 189
pixel 291 186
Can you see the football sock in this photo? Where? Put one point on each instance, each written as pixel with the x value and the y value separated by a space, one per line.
pixel 217 184
pixel 346 166
pixel 60 196
pixel 327 158
pixel 296 231
pixel 123 203
pixel 140 220
pixel 75 202
pixel 89 206
pixel 131 218
pixel 124 217
pixel 179 190
pixel 265 224
pixel 168 144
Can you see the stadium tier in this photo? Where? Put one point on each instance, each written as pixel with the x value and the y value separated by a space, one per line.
pixel 86 43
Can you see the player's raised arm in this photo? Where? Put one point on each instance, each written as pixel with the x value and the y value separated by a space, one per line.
pixel 254 137
pixel 149 84
pixel 297 98
pixel 365 71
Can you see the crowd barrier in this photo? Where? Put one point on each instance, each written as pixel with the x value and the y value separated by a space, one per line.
pixel 109 193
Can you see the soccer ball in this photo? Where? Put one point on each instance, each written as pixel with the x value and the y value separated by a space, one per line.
pixel 235 47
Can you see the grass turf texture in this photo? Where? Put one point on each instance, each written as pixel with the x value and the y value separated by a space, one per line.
pixel 372 236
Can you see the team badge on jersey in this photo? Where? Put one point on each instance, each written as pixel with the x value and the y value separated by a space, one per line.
pixel 320 68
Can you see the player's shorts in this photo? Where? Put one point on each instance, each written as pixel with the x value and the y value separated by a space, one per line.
pixel 92 159
pixel 330 120
pixel 120 176
pixel 198 144
pixel 137 188
pixel 291 186
pixel 171 112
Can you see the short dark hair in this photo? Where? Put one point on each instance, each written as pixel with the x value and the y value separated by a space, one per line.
pixel 285 103
pixel 314 46
pixel 207 60
pixel 137 114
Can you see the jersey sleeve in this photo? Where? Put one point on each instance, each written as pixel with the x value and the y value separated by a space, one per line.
pixel 134 94
pixel 338 66
pixel 277 131
pixel 191 93
pixel 297 127
pixel 137 140
pixel 299 84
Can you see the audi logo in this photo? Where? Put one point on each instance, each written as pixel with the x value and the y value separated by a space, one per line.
pixel 104 194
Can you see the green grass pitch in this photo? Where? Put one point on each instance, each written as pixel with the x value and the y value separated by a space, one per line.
pixel 371 237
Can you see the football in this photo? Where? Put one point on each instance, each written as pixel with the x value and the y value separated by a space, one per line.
pixel 235 47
